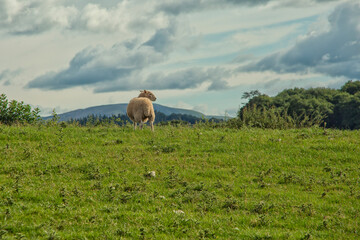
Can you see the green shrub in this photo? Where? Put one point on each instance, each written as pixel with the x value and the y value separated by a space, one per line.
pixel 276 118
pixel 16 112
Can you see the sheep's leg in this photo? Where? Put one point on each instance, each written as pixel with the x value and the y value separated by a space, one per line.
pixel 152 126
pixel 134 125
pixel 141 124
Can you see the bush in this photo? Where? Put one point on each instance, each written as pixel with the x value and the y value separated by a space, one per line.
pixel 16 112
pixel 276 118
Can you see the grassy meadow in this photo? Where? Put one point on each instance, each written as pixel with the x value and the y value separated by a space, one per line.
pixel 69 182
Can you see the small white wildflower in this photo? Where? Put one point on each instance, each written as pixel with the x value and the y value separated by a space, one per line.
pixel 152 174
pixel 179 212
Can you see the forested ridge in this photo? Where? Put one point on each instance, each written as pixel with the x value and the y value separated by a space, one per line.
pixel 121 119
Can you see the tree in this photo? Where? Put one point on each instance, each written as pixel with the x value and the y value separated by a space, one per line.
pixel 16 112
pixel 251 94
pixel 351 87
pixel 347 112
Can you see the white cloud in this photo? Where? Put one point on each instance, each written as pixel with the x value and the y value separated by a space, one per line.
pixel 95 18
pixel 261 36
pixel 82 47
pixel 334 53
pixel 33 17
pixel 121 68
pixel 99 65
pixel 36 16
pixel 9 9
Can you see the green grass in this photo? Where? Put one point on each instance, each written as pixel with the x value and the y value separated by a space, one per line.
pixel 93 183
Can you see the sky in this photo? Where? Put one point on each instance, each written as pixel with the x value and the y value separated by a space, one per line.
pixel 193 54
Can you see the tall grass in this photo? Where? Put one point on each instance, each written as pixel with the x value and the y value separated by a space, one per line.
pixel 276 118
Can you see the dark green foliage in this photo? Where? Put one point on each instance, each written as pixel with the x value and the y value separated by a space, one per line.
pixel 351 87
pixel 176 118
pixel 300 107
pixel 347 111
pixel 276 118
pixel 251 94
pixel 16 112
pixel 121 120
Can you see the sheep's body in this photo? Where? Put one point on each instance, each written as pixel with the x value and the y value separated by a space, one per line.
pixel 140 109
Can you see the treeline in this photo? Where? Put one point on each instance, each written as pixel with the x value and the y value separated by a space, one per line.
pixel 301 107
pixel 291 108
pixel 121 119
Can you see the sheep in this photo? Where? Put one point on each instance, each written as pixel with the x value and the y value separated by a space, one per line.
pixel 140 109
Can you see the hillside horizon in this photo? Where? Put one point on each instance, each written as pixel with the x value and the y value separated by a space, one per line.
pixel 120 108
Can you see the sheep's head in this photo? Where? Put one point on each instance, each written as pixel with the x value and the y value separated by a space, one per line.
pixel 147 94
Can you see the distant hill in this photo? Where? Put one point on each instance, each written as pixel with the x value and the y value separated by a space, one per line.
pixel 115 109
